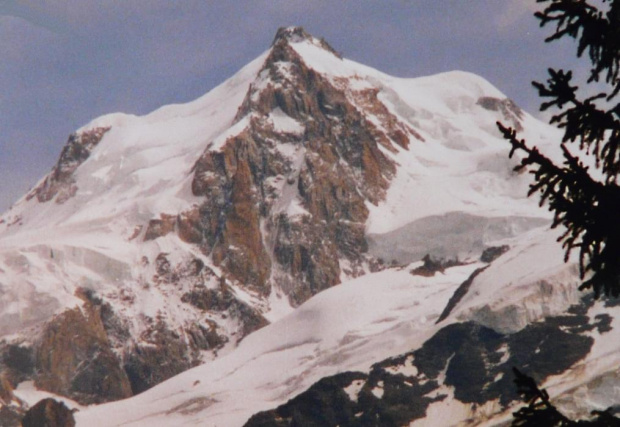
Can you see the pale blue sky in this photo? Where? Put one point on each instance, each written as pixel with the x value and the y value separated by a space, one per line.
pixel 65 62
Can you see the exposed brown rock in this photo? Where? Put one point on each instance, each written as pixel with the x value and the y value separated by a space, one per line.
pixel 162 267
pixel 344 166
pixel 208 299
pixel 117 329
pixel 344 163
pixel 49 413
pixel 371 167
pixel 160 227
pixel 251 320
pixel 73 358
pixel 302 250
pixel 188 273
pixel 136 232
pixel 236 196
pixel 193 275
pixel 240 245
pixel 160 353
pixel 368 100
pixel 190 226
pixel 6 390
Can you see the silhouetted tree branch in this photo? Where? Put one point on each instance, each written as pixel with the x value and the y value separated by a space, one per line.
pixel 586 203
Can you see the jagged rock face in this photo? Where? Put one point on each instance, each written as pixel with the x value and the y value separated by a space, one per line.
pixel 160 352
pixel 157 354
pixel 331 165
pixel 75 355
pixel 49 413
pixel 61 182
pixel 223 300
pixel 232 181
pixel 162 356
pixel 73 358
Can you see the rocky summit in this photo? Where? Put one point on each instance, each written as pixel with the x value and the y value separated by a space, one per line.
pixel 313 242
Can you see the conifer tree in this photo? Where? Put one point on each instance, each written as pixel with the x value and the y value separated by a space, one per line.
pixel 584 200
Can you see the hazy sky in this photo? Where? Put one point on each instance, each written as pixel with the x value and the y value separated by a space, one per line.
pixel 65 62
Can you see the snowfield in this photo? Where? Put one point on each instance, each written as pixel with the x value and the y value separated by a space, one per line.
pixel 352 326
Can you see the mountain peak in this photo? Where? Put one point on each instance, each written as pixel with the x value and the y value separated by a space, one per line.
pixel 296 34
pixel 293 34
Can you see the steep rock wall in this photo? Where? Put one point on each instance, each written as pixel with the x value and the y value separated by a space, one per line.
pixel 328 167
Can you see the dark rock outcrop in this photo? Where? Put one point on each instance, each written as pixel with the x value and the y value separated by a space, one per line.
pixel 16 362
pixel 475 361
pixel 492 253
pixel 15 366
pixel 11 409
pixel 49 413
pixel 162 354
pixel 509 109
pixel 60 183
pixel 434 265
pixel 458 295
pixel 11 416
pixel 223 300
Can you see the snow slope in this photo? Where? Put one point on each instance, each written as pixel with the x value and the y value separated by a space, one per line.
pixel 142 167
pixel 354 325
pixel 342 328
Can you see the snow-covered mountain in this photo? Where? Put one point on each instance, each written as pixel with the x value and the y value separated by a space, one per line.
pixel 263 243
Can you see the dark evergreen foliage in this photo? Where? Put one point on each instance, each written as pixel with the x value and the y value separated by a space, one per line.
pixel 586 202
pixel 540 412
